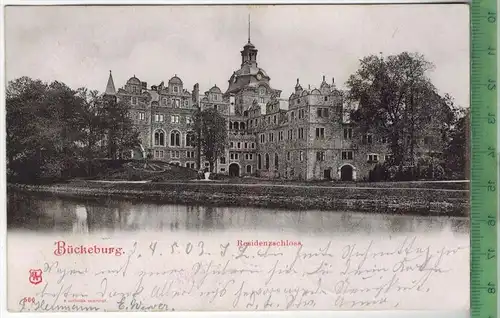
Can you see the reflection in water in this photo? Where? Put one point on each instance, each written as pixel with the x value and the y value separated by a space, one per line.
pixel 80 216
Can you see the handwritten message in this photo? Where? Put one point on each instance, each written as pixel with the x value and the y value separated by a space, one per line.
pixel 402 272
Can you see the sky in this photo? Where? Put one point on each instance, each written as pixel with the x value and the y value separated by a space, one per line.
pixel 79 45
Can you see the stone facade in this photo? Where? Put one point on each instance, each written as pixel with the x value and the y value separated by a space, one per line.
pixel 307 139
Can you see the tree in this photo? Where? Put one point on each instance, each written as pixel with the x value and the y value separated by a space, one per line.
pixel 120 132
pixel 40 138
pixel 91 125
pixel 457 153
pixel 212 134
pixel 395 98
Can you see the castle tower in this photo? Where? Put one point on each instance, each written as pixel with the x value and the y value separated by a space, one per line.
pixel 249 53
pixel 110 91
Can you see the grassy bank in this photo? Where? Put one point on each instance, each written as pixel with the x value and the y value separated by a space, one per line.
pixel 400 200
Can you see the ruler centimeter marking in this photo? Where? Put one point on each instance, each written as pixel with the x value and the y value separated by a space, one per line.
pixel 484 159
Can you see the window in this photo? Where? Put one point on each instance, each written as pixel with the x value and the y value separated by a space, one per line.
pixel 301 156
pixel 388 157
pixel 249 169
pixel 159 154
pixel 177 103
pixel 239 145
pixel 347 155
pixel 190 139
pixel 142 116
pixel 190 154
pixel 288 156
pixel 234 156
pixel 326 98
pixel 159 117
pixel 262 138
pixel 301 133
pixel 247 156
pixel 347 133
pixel 372 158
pixel 190 165
pixel 320 156
pixel 215 96
pixel 261 100
pixel 159 138
pixel 367 139
pixel 215 107
pixel 274 119
pixel 231 144
pixel 280 135
pixel 259 161
pixel 320 133
pixel 164 101
pixel 134 101
pixel 174 154
pixel 267 161
pixel 262 90
pixel 322 112
pixel 189 120
pixel 383 140
pixel 302 114
pixel 175 138
pixel 223 160
pixel 271 137
pixel 253 145
pixel 276 161
pixel 174 119
pixel 222 169
pixel 289 135
pixel 176 89
pixel 134 89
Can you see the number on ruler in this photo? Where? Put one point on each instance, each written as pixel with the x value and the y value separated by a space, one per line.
pixel 491 253
pixel 492 17
pixel 491 220
pixel 491 150
pixel 491 288
pixel 491 186
pixel 492 84
pixel 491 120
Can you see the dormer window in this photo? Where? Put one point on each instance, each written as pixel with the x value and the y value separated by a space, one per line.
pixel 215 97
pixel 262 91
pixel 176 89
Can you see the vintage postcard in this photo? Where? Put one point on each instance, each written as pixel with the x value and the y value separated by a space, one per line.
pixel 237 158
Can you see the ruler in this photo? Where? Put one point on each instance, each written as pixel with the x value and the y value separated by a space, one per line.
pixel 484 159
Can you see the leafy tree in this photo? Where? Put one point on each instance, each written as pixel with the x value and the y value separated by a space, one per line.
pixel 91 125
pixel 120 132
pixel 212 134
pixel 457 153
pixel 40 138
pixel 395 98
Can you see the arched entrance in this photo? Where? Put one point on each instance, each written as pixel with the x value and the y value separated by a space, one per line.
pixel 234 170
pixel 346 173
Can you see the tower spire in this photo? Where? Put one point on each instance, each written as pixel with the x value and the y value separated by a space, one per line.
pixel 249 28
pixel 110 87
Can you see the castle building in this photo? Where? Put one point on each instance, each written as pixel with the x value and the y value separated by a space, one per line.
pixel 303 137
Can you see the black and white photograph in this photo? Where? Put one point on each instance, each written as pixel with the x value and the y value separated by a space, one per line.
pixel 237 157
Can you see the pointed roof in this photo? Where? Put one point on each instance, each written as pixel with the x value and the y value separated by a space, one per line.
pixel 110 87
